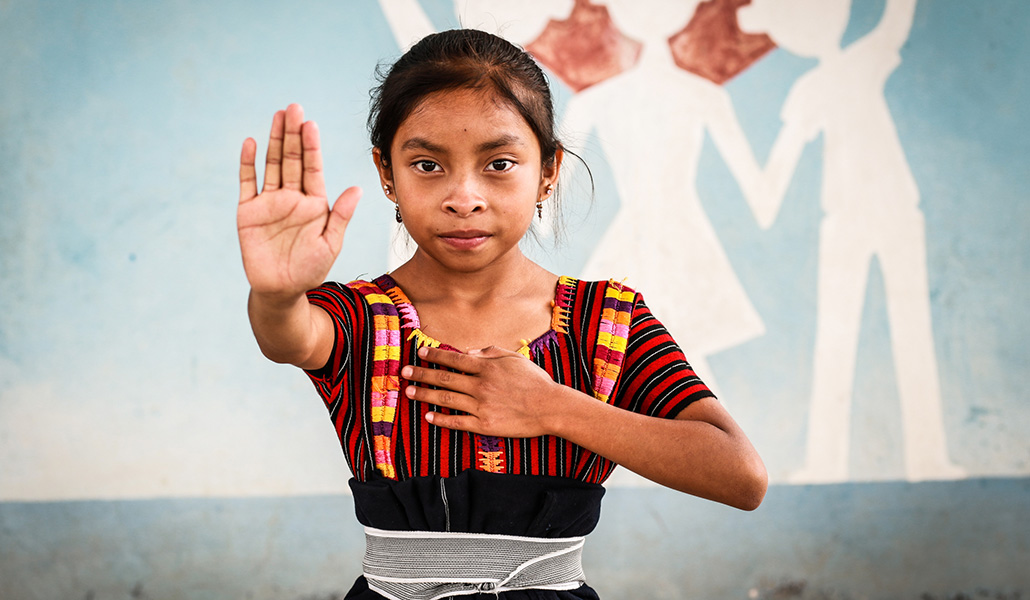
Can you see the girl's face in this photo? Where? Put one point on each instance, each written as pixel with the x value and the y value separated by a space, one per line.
pixel 466 173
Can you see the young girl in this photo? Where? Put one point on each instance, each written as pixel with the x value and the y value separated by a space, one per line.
pixel 480 400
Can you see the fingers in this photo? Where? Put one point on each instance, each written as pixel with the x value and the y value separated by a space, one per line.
pixel 461 422
pixel 447 380
pixel 292 148
pixel 343 210
pixel 455 360
pixel 313 180
pixel 274 156
pixel 248 176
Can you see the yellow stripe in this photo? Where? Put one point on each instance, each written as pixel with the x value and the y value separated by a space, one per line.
pixel 383 414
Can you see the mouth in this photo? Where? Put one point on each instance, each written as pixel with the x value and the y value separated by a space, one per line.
pixel 464 239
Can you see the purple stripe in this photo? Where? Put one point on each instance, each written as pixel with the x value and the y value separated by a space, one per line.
pixel 541 343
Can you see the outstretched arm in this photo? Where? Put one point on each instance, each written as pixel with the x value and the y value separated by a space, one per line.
pixel 736 151
pixel 783 160
pixel 289 239
pixel 701 452
pixel 893 29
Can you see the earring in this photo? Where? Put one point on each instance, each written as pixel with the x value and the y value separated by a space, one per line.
pixel 540 203
pixel 386 189
pixel 397 213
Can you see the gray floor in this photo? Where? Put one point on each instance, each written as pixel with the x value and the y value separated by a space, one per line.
pixel 929 541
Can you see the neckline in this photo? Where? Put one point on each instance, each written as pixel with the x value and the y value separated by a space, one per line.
pixel 561 304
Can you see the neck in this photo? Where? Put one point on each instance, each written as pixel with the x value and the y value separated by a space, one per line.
pixel 426 280
pixel 656 54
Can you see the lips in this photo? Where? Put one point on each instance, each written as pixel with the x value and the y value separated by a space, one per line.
pixel 464 239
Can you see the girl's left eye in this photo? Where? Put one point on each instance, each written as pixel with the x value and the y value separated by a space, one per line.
pixel 426 166
pixel 502 164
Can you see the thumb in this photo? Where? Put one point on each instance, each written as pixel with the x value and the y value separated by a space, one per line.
pixel 340 216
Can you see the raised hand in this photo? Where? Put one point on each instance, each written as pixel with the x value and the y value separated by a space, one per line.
pixel 289 237
pixel 504 393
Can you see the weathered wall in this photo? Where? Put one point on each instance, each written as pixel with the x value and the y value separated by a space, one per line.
pixel 148 450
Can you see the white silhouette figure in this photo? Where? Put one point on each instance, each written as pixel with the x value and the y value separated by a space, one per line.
pixel 871 209
pixel 518 22
pixel 650 121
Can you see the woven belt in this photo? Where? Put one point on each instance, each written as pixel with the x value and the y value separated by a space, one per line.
pixel 427 565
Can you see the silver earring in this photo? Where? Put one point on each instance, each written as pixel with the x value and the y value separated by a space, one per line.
pixel 386 189
pixel 397 213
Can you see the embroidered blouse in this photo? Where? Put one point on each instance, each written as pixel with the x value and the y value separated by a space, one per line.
pixel 603 341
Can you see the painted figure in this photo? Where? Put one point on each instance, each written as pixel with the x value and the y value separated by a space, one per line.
pixel 650 121
pixel 870 200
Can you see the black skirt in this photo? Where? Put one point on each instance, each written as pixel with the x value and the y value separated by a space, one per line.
pixel 481 502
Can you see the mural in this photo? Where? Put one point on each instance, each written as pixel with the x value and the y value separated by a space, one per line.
pixel 649 89
pixel 650 121
pixel 871 202
pixel 664 99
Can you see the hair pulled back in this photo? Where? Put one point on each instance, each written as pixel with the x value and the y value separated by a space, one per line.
pixel 462 59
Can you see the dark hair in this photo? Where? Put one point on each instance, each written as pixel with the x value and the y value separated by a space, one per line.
pixel 465 59
pixel 462 59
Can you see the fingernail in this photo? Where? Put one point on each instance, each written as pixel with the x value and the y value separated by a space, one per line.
pixel 429 416
pixel 406 372
pixel 409 391
pixel 423 351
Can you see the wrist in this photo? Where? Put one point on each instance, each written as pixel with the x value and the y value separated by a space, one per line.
pixel 276 301
pixel 567 403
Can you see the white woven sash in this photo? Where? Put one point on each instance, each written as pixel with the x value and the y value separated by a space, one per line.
pixel 428 565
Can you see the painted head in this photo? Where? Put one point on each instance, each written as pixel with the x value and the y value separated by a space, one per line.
pixel 462 126
pixel 809 28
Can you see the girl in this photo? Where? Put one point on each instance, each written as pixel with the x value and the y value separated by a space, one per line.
pixel 477 454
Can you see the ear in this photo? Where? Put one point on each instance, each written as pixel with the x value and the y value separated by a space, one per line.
pixel 551 169
pixel 385 173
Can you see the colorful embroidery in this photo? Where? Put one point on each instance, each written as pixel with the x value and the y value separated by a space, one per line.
pixel 392 311
pixel 385 373
pixel 613 332
pixel 491 453
pixel 562 304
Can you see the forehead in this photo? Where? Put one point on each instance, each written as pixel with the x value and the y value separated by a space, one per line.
pixel 464 115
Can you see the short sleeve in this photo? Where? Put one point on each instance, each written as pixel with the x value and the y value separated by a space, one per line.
pixel 656 379
pixel 345 308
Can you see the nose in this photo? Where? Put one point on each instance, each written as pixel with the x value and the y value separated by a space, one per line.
pixel 464 198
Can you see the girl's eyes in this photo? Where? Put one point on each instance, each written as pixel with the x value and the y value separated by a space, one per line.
pixel 502 164
pixel 499 165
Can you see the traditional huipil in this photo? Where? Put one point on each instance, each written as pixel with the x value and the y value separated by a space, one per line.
pixel 411 476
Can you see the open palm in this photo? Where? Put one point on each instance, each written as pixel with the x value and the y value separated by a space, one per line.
pixel 289 237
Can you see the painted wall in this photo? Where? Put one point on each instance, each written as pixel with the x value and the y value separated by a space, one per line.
pixel 148 450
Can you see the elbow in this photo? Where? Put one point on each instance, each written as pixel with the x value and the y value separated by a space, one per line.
pixel 753 484
pixel 298 356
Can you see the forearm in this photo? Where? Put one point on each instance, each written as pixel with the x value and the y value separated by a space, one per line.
pixel 290 329
pixel 710 458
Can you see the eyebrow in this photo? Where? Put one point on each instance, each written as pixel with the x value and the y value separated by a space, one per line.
pixel 417 143
pixel 507 139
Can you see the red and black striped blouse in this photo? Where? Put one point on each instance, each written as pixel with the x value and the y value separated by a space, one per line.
pixel 655 379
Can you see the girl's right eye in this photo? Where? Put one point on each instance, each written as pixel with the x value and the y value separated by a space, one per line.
pixel 426 166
